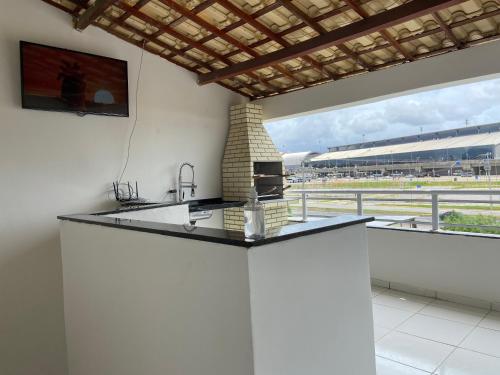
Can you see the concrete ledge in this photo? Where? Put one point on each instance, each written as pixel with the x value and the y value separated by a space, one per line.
pixel 458 268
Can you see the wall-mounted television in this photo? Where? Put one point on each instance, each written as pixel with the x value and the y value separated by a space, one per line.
pixel 56 79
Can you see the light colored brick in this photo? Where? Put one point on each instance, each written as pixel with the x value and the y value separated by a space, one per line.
pixel 247 142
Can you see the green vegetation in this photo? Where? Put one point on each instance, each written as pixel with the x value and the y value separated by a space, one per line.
pixel 398 184
pixel 353 211
pixel 477 207
pixel 459 218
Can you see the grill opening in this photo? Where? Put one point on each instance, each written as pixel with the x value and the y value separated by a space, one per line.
pixel 268 179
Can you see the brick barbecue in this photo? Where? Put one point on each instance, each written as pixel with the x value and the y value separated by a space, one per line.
pixel 251 159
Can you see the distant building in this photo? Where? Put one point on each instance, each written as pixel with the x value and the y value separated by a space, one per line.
pixel 431 136
pixel 295 160
pixel 469 148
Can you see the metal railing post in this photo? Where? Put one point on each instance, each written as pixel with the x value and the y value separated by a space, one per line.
pixel 431 196
pixel 435 211
pixel 359 203
pixel 304 207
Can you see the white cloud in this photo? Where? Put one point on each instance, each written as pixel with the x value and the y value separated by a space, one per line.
pixel 432 110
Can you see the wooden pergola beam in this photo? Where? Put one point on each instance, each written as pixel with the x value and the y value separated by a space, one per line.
pixel 224 36
pixel 238 23
pixel 208 26
pixel 174 33
pixel 446 29
pixel 172 52
pixel 92 13
pixel 320 30
pixel 297 12
pixel 264 30
pixel 197 9
pixel 354 5
pixel 169 58
pixel 237 84
pixel 228 38
pixel 259 13
pixel 389 18
pixel 301 25
pixel 201 47
pixel 62 7
pixel 137 6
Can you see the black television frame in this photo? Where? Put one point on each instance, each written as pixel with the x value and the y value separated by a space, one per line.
pixel 23 43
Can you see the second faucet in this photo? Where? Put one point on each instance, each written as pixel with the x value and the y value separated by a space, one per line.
pixel 183 185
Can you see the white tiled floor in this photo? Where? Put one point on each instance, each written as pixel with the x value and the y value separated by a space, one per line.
pixel 417 336
pixel 492 321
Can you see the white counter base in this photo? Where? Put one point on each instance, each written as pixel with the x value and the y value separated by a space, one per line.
pixel 143 303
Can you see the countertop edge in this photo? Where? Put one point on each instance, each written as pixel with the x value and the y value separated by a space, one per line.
pixel 197 205
pixel 222 236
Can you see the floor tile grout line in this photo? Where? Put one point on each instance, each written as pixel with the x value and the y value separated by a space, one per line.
pixel 426 338
pixel 458 345
pixel 484 317
pixel 427 314
pixel 412 315
pixel 404 364
pixel 398 308
pixel 454 349
pixel 448 320
pixel 385 334
pixel 419 312
pixel 482 353
pixel 395 330
pixel 389 330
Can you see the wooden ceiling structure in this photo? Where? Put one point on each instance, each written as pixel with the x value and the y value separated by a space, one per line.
pixel 261 48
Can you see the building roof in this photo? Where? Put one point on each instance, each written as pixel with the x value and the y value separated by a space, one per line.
pixel 261 48
pixel 438 144
pixel 296 158
pixel 440 134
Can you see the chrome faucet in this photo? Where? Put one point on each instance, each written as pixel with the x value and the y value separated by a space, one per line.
pixel 183 185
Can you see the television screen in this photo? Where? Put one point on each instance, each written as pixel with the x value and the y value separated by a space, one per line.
pixel 55 79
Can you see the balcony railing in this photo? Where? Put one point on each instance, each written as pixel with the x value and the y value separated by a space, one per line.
pixel 490 197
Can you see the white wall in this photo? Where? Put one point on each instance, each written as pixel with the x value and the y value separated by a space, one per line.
pixel 143 303
pixel 447 263
pixel 56 163
pixel 453 68
pixel 304 318
pixel 215 221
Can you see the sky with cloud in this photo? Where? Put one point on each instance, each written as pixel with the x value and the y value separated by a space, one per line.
pixel 446 108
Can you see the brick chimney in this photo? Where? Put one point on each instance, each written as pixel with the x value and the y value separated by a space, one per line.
pixel 252 159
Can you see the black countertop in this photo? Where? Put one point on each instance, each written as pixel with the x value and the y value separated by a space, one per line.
pixel 194 205
pixel 228 237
